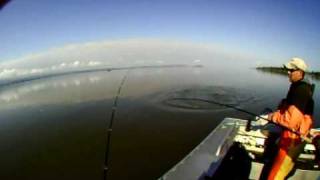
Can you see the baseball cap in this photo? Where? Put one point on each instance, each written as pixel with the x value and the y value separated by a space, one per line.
pixel 296 63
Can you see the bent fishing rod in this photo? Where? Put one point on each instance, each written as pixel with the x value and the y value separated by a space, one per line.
pixel 109 130
pixel 308 140
pixel 115 105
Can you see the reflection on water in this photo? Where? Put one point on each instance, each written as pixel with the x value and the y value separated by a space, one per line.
pixel 55 128
pixel 68 89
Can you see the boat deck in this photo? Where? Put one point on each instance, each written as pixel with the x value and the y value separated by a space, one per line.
pixel 214 157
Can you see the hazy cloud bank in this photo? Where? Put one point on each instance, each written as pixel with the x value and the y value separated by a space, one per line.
pixel 110 54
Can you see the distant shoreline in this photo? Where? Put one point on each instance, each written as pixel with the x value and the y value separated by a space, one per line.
pixel 281 70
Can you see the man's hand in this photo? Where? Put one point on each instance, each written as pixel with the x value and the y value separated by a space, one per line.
pixel 261 120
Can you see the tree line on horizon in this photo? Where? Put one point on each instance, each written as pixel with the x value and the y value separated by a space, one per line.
pixel 284 71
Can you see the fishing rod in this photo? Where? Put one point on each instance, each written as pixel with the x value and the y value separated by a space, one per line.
pixel 308 140
pixel 313 140
pixel 109 130
pixel 115 104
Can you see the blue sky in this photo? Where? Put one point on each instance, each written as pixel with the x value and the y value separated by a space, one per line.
pixel 273 31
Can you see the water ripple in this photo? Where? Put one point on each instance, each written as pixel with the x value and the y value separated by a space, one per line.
pixel 199 98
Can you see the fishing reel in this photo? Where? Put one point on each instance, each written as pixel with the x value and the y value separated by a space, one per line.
pixel 262 118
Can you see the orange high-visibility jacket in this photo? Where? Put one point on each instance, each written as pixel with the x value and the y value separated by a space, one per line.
pixel 297 109
pixel 294 119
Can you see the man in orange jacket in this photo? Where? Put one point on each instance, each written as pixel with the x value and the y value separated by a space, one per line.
pixel 295 112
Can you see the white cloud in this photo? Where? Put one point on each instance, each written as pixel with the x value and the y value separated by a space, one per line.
pixel 76 63
pixel 94 63
pixel 53 68
pixel 197 61
pixel 63 64
pixel 8 73
pixel 36 71
pixel 114 54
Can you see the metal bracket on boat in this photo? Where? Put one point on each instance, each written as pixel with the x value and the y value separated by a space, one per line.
pixel 248 125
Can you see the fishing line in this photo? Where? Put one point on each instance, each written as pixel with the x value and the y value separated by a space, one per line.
pixel 247 112
pixel 109 130
pixel 215 102
pixel 114 108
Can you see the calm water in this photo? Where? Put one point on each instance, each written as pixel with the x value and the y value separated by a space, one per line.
pixel 55 128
